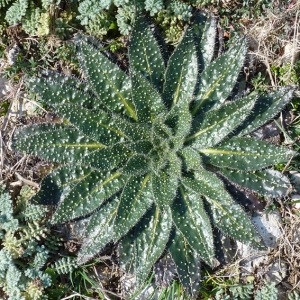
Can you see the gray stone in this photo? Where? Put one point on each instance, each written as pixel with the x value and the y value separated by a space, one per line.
pixel 268 225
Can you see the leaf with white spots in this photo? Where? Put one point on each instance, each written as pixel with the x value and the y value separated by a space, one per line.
pixel 108 82
pixel 181 73
pixel 55 142
pixel 179 119
pixel 59 183
pixel 219 78
pixel 226 214
pixel 98 231
pixel 204 30
pixel 246 154
pixel 215 125
pixel 164 188
pixel 266 108
pixel 135 200
pixel 147 100
pixel 270 183
pixel 137 164
pixel 192 221
pixel 187 263
pixel 127 253
pixel 88 194
pixel 108 158
pixel 145 55
pixel 151 236
pixel 97 124
pixel 53 92
pixel 191 158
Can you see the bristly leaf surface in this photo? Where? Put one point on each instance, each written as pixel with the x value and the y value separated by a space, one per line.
pixel 141 150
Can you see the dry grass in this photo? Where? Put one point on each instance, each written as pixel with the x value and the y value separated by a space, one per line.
pixel 275 39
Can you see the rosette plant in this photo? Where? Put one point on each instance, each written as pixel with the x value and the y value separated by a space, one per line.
pixel 142 153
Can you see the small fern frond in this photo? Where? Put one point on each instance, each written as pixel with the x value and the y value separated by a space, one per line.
pixel 65 265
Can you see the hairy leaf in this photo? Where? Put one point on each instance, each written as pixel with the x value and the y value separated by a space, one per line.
pixel 136 198
pixel 98 231
pixel 218 79
pixel 151 237
pixel 187 263
pixel 192 221
pixel 246 154
pixel 145 55
pixel 266 108
pixel 226 214
pixel 270 183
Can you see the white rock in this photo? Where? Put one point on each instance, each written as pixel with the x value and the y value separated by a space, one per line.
pixel 268 225
pixel 277 272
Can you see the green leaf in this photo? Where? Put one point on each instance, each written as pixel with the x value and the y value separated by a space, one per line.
pixel 269 183
pixel 181 73
pixel 192 159
pixel 55 142
pixel 219 123
pixel 246 154
pixel 266 108
pixel 108 158
pixel 135 200
pixel 141 147
pixel 108 82
pixel 88 194
pixel 147 101
pixel 226 214
pixel 96 124
pixel 151 236
pixel 98 232
pixel 192 221
pixel 204 29
pixel 179 119
pixel 174 167
pixel 187 263
pixel 59 183
pixel 127 253
pixel 133 131
pixel 136 164
pixel 145 55
pixel 53 92
pixel 219 78
pixel 164 188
